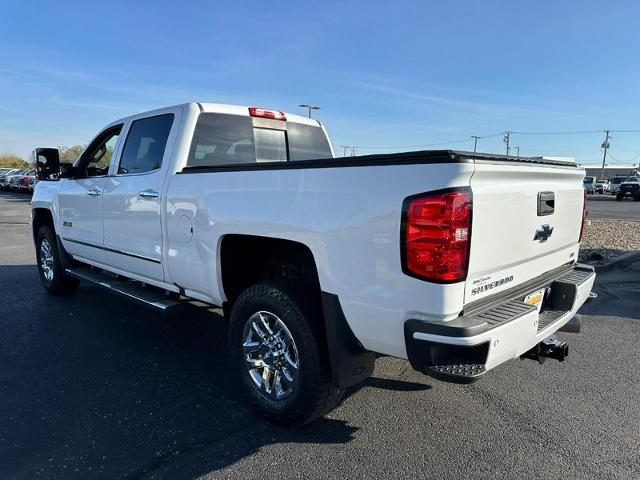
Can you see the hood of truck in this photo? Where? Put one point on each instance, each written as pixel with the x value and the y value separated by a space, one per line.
pixel 526 222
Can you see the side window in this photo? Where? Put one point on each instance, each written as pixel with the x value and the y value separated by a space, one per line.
pixel 96 159
pixel 145 144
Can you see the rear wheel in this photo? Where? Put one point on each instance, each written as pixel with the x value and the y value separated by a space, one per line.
pixel 278 352
pixel 52 275
pixel 619 197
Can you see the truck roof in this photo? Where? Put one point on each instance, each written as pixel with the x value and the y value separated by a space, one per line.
pixel 207 107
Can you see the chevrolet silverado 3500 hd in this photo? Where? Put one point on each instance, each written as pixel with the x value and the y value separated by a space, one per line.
pixel 456 261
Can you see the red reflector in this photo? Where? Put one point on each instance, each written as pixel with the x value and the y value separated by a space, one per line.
pixel 261 112
pixel 436 234
pixel 584 215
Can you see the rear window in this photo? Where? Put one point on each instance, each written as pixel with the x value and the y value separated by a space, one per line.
pixel 271 145
pixel 221 139
pixel 307 142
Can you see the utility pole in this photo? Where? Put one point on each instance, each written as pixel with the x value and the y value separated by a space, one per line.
pixel 344 150
pixel 518 151
pixel 505 139
pixel 353 151
pixel 475 142
pixel 605 145
pixel 309 107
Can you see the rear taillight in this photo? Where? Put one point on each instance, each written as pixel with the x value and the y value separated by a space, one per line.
pixel 436 234
pixel 261 112
pixel 584 215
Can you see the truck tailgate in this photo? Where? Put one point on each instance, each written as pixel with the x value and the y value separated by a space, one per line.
pixel 526 221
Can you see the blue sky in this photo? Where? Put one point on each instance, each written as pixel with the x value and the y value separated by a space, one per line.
pixel 386 74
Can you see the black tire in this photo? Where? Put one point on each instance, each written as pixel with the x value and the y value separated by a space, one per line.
pixel 619 197
pixel 313 393
pixel 636 198
pixel 58 283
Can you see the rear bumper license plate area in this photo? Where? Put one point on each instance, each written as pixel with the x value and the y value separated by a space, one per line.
pixel 463 349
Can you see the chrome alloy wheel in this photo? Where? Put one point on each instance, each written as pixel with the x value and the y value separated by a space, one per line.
pixel 46 260
pixel 271 355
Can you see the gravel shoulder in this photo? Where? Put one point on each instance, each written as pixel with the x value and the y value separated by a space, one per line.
pixel 606 239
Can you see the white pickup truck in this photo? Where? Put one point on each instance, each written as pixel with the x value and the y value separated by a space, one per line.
pixel 456 261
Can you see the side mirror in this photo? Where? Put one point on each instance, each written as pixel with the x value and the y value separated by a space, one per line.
pixel 47 162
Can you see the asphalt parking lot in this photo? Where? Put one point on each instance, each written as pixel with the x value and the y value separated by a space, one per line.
pixel 606 206
pixel 94 387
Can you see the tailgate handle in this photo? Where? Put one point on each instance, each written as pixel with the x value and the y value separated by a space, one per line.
pixel 546 203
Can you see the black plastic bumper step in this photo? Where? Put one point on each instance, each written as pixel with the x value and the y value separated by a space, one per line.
pixel 152 297
pixel 458 372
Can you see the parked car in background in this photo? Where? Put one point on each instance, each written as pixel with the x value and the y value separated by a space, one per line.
pixel 13 181
pixel 602 186
pixel 19 182
pixel 629 188
pixel 614 184
pixel 4 177
pixel 589 184
pixel 8 180
pixel 26 182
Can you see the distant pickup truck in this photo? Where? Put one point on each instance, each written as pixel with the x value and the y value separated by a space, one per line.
pixel 455 261
pixel 629 188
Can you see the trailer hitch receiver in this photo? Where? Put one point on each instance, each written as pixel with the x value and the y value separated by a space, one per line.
pixel 550 347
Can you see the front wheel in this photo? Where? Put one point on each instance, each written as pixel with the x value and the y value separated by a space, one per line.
pixel 278 351
pixel 619 197
pixel 50 268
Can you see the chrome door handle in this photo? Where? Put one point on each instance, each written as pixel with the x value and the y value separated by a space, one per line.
pixel 94 193
pixel 148 194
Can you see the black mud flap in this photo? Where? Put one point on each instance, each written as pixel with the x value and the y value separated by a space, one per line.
pixel 350 362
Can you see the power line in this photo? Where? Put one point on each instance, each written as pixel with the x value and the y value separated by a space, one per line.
pixel 462 140
pixel 506 138
pixel 422 145
pixel 573 132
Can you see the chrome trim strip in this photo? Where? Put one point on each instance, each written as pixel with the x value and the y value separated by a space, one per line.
pixel 112 250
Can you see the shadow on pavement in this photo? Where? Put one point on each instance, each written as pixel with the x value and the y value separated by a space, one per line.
pixel 17 197
pixel 618 293
pixel 94 385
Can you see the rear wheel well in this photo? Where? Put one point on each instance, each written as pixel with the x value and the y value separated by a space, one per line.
pixel 247 260
pixel 41 217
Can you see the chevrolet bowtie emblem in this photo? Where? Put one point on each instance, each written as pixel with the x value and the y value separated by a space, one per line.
pixel 543 233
